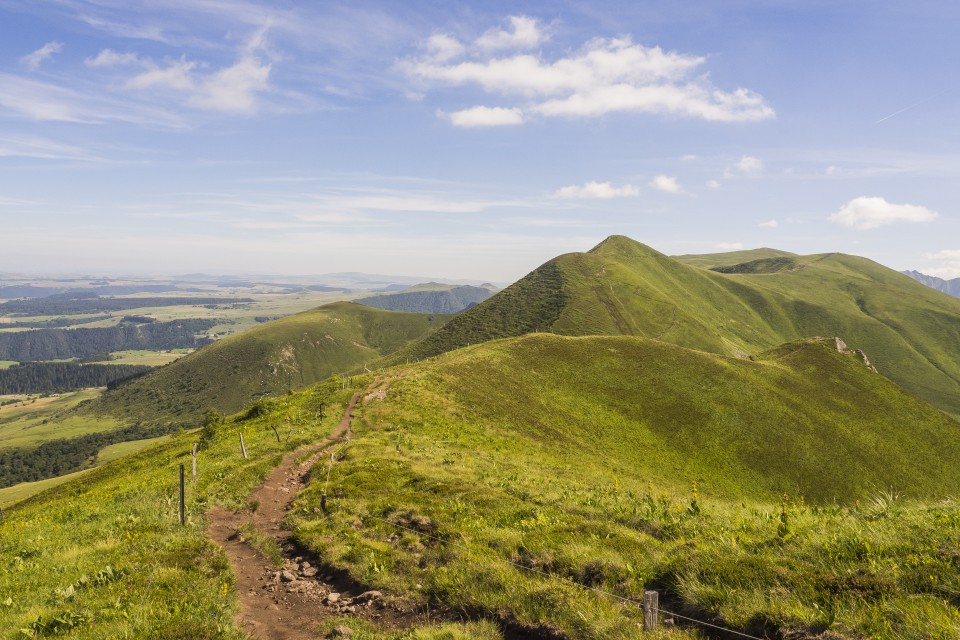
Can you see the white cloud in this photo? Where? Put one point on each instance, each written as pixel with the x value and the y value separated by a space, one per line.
pixel 110 58
pixel 750 164
pixel 600 190
pixel 175 76
pixel 770 224
pixel 872 212
pixel 524 33
pixel 442 47
pixel 948 264
pixel 713 184
pixel 729 246
pixel 688 157
pixel 604 76
pixel 33 60
pixel 666 183
pixel 235 88
pixel 486 117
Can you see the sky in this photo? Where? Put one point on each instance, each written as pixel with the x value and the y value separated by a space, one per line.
pixel 472 140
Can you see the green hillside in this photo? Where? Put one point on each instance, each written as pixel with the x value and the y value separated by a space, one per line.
pixel 767 496
pixel 728 258
pixel 804 418
pixel 272 358
pixel 621 287
pixel 539 483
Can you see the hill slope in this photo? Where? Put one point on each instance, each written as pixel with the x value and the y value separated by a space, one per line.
pixel 621 287
pixel 272 358
pixel 805 418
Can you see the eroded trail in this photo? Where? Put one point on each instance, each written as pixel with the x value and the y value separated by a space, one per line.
pixel 290 602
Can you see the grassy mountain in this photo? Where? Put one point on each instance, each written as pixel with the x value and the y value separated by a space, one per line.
pixel 430 298
pixel 807 418
pixel 623 463
pixel 621 287
pixel 272 358
pixel 525 473
pixel 729 258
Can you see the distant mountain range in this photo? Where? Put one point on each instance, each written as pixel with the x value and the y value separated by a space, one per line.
pixel 951 287
pixel 432 297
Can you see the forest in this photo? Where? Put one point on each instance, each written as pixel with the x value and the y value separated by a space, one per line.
pixel 58 344
pixel 58 377
pixel 68 304
pixel 59 457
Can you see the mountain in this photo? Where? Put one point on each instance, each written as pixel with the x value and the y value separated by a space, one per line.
pixel 431 297
pixel 950 287
pixel 622 287
pixel 272 358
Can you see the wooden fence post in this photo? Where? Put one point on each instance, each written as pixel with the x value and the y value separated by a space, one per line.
pixel 243 449
pixel 650 606
pixel 194 461
pixel 183 518
pixel 276 433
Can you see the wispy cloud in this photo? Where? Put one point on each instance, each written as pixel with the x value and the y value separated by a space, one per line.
pixel 41 148
pixel 597 190
pixel 33 60
pixel 769 224
pixel 44 101
pixel 604 76
pixel 873 212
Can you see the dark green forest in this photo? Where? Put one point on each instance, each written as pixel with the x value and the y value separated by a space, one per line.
pixel 56 377
pixel 58 344
pixel 59 457
pixel 67 304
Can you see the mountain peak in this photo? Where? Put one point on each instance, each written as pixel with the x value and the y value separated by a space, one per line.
pixel 623 245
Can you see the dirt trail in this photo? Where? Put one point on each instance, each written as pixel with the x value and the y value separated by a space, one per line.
pixel 289 603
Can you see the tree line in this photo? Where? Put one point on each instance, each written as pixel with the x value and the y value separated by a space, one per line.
pixel 60 457
pixel 69 304
pixel 58 344
pixel 57 377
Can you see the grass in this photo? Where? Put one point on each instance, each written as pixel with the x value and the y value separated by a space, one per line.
pixel 24 490
pixel 104 557
pixel 6 364
pixel 516 481
pixel 544 453
pixel 911 333
pixel 273 358
pixel 149 358
pixel 43 419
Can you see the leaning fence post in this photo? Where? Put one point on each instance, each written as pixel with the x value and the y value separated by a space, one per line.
pixel 194 461
pixel 277 433
pixel 183 518
pixel 243 449
pixel 650 607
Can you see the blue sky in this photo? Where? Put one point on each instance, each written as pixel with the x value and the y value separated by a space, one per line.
pixel 471 140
